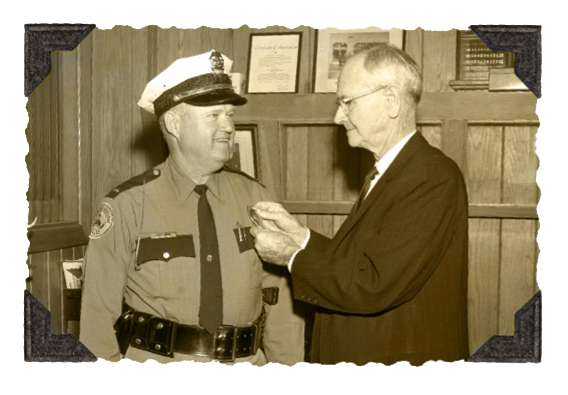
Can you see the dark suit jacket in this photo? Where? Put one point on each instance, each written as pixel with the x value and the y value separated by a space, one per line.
pixel 392 284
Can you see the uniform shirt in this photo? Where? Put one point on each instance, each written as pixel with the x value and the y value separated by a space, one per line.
pixel 163 210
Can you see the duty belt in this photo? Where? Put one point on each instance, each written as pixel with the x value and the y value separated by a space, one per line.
pixel 165 337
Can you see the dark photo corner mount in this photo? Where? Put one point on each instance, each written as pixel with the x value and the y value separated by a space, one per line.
pixel 524 41
pixel 41 345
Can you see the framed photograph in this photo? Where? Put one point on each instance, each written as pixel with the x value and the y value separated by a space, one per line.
pixel 274 60
pixel 335 46
pixel 244 151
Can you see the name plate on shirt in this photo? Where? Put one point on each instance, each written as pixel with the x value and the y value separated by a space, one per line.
pixel 165 248
pixel 245 241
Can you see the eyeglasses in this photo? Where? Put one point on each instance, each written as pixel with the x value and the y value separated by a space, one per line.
pixel 344 103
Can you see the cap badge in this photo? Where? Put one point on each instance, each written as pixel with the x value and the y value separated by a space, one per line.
pixel 217 62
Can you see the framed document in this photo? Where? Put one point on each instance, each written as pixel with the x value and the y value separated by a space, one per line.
pixel 274 60
pixel 244 151
pixel 335 46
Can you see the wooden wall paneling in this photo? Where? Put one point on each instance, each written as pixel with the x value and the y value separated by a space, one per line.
pixel 518 270
pixel 320 174
pixel 204 39
pixel 414 43
pixel 41 144
pixel 519 165
pixel 454 141
pixel 54 132
pixel 439 60
pixel 78 252
pixel 167 48
pixel 69 123
pixel 296 165
pixel 142 141
pixel 483 280
pixel 241 42
pixel 33 158
pixel 55 291
pixel 432 133
pixel 494 107
pixel 269 157
pixel 46 137
pixel 345 173
pixel 484 164
pixel 479 107
pixel 86 209
pixel 112 99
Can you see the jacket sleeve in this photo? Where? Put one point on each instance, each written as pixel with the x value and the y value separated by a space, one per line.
pixel 283 336
pixel 106 263
pixel 391 261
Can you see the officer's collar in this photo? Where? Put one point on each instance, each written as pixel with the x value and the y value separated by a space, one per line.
pixel 183 185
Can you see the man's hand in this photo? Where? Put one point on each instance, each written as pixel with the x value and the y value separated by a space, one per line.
pixel 276 218
pixel 274 247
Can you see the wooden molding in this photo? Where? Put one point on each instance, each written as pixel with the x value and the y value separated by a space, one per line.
pixel 513 211
pixel 319 108
pixel 460 85
pixel 516 211
pixel 56 235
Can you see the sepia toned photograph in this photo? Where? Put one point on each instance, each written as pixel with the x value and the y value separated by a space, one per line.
pixel 371 212
pixel 366 248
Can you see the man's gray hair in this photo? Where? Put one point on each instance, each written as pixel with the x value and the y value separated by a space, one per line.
pixel 388 56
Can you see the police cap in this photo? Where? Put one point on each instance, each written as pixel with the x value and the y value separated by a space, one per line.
pixel 200 80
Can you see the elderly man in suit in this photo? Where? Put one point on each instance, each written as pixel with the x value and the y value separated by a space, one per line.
pixel 391 285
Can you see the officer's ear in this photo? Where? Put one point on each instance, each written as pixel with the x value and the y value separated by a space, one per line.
pixel 172 122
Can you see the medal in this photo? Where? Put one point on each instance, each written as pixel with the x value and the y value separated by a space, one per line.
pixel 253 215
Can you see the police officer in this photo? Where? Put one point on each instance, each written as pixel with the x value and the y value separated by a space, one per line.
pixel 170 271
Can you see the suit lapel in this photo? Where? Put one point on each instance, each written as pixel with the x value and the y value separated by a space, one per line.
pixel 416 142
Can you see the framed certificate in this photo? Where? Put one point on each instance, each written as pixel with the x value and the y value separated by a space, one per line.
pixel 274 60
pixel 336 46
pixel 245 155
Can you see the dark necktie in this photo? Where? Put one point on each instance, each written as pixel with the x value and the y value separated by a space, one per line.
pixel 368 178
pixel 211 305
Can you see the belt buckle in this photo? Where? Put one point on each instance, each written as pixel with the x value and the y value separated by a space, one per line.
pixel 224 344
pixel 160 336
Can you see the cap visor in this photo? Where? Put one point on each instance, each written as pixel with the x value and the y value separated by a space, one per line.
pixel 223 96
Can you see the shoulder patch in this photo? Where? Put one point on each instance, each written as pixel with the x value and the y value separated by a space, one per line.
pixel 103 222
pixel 148 175
pixel 242 173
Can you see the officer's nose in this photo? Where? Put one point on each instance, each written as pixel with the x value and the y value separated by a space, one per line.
pixel 340 116
pixel 226 124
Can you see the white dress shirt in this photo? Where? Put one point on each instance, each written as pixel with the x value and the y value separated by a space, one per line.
pixel 381 165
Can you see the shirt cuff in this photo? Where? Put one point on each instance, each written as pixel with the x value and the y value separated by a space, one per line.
pixel 304 244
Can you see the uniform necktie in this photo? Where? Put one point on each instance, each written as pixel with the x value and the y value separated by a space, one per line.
pixel 211 304
pixel 366 186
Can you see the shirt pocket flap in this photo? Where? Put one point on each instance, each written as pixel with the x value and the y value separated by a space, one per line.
pixel 164 249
